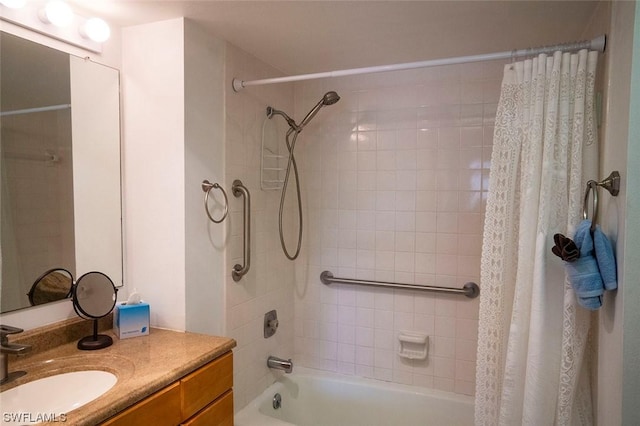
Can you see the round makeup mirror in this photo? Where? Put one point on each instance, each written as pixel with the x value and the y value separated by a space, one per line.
pixel 94 297
pixel 55 284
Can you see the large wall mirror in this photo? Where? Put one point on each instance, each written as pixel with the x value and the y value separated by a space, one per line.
pixel 60 188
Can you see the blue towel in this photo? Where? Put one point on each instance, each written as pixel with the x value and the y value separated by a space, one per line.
pixel 595 270
pixel 606 259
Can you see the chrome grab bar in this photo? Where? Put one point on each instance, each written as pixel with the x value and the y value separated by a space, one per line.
pixel 238 189
pixel 470 289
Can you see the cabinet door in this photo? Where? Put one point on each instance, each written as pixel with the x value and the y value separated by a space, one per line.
pixel 206 384
pixel 160 409
pixel 218 413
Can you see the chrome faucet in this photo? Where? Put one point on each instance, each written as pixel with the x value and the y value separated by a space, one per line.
pixel 7 349
pixel 280 364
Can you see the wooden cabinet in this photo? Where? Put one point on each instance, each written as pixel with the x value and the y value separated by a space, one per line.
pixel 203 397
pixel 219 412
pixel 161 408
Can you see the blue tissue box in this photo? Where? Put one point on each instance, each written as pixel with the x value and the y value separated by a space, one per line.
pixel 131 320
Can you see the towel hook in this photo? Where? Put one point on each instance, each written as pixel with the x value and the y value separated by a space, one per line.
pixel 611 184
pixel 207 187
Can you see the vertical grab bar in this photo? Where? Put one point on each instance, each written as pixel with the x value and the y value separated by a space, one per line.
pixel 238 189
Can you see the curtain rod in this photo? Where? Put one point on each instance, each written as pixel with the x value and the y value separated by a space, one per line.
pixel 597 43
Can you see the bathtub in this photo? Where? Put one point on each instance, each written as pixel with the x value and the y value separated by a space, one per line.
pixel 314 398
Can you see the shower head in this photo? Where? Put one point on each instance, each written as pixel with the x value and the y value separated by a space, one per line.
pixel 329 98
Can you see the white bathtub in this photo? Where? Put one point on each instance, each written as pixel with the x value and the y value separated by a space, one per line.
pixel 316 398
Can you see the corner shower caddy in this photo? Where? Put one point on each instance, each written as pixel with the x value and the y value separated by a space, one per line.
pixel 272 162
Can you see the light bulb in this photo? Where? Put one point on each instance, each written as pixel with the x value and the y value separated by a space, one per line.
pixel 56 12
pixel 13 4
pixel 96 29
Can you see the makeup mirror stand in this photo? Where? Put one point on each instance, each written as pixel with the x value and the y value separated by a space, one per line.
pixel 94 297
pixel 96 341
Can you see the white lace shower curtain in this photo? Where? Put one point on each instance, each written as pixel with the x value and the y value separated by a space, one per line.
pixel 532 363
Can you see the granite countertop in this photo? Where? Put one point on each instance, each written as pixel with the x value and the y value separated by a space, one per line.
pixel 143 366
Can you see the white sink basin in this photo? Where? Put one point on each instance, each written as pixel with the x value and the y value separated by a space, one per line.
pixel 53 396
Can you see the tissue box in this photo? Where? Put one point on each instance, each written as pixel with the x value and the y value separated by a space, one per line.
pixel 131 320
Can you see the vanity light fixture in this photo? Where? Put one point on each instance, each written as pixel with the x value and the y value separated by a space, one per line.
pixel 95 29
pixel 57 20
pixel 56 12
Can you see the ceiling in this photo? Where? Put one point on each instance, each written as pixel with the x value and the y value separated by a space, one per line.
pixel 315 36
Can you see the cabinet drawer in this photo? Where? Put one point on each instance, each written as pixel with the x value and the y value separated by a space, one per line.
pixel 161 408
pixel 206 384
pixel 218 413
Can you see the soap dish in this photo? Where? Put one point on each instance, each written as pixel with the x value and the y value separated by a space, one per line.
pixel 413 345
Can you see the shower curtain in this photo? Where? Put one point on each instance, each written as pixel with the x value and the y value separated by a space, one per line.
pixel 532 364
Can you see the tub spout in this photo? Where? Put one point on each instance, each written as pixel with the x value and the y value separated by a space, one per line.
pixel 280 364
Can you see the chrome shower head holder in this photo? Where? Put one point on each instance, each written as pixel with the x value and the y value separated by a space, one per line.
pixel 272 111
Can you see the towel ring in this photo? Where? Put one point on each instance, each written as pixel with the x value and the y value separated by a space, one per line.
pixel 611 184
pixel 592 188
pixel 207 187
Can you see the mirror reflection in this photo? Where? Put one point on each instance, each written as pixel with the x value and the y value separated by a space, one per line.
pixel 60 171
pixel 53 285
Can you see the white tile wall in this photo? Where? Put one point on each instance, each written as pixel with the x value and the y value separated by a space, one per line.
pixel 39 204
pixel 395 178
pixel 269 283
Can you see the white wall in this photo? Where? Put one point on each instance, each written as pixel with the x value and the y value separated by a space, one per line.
pixel 184 124
pixel 173 76
pixel 179 132
pixel 631 291
pixel 204 159
pixel 154 167
pixel 614 212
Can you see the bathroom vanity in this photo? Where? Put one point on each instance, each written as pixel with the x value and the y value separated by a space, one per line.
pixel 203 397
pixel 165 378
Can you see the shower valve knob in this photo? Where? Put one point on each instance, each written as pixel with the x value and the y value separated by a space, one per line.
pixel 270 323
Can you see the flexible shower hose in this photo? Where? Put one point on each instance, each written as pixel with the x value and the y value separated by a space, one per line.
pixel 292 161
